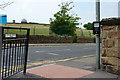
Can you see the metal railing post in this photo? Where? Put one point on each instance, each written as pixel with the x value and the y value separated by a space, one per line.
pixel 0 49
pixel 26 52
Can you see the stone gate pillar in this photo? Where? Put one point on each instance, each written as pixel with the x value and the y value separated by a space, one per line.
pixel 110 56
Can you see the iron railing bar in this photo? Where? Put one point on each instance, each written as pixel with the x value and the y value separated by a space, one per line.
pixel 26 51
pixel 15 28
pixel 17 55
pixel 12 58
pixel 6 61
pixel 3 61
pixel 15 58
pixel 11 75
pixel 9 47
pixel 15 39
pixel 9 59
pixel 17 52
pixel 20 56
pixel 23 58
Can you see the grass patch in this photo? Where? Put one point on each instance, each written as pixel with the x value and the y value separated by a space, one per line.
pixel 37 29
pixel 84 33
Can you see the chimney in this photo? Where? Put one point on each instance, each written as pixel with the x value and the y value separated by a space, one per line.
pixel 13 21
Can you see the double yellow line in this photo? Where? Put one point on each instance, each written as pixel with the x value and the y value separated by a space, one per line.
pixel 45 62
pixel 56 61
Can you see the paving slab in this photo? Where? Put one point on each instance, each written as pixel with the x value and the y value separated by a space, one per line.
pixel 59 71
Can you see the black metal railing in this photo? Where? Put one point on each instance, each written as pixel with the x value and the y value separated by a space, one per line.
pixel 14 54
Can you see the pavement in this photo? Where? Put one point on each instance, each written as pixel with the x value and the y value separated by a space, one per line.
pixel 75 69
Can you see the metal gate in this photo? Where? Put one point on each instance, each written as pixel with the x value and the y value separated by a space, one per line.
pixel 14 52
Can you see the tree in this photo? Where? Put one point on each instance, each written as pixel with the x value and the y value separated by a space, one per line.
pixel 63 22
pixel 89 26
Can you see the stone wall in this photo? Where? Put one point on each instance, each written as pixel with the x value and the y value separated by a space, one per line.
pixel 110 56
pixel 36 39
pixel 58 39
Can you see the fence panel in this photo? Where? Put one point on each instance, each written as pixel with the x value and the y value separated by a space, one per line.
pixel 14 54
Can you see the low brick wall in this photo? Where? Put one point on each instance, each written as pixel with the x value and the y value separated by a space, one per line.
pixel 110 57
pixel 36 39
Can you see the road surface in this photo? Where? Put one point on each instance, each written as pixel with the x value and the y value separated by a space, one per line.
pixel 37 54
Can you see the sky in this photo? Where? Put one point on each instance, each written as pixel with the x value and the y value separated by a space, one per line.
pixel 41 10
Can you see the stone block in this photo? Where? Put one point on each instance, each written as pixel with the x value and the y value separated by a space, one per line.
pixel 103 53
pixel 110 43
pixel 118 28
pixel 104 43
pixel 108 28
pixel 112 69
pixel 117 43
pixel 112 52
pixel 104 60
pixel 113 34
pixel 113 61
pixel 104 34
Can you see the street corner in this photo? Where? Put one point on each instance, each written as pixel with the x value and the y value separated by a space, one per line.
pixel 59 71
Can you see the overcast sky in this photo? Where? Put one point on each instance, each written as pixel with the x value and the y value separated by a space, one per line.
pixel 41 10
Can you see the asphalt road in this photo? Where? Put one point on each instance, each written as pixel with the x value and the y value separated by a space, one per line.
pixel 37 54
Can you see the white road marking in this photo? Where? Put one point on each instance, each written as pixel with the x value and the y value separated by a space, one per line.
pixel 54 50
pixel 85 48
pixel 63 50
pixel 28 60
pixel 68 49
pixel 39 51
pixel 52 54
